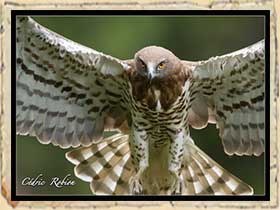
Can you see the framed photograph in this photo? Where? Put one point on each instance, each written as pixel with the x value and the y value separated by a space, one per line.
pixel 140 105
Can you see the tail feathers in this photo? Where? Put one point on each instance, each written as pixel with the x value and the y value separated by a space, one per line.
pixel 107 165
pixel 202 175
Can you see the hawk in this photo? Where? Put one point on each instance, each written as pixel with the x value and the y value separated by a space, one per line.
pixel 68 95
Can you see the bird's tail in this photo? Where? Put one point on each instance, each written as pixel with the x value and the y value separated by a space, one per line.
pixel 106 165
pixel 202 175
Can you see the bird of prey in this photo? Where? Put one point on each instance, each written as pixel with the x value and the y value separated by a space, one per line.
pixel 68 95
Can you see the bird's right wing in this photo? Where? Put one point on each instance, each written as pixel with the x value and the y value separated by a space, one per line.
pixel 229 90
pixel 66 93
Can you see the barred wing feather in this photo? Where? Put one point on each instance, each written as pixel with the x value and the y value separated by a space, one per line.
pixel 229 90
pixel 65 91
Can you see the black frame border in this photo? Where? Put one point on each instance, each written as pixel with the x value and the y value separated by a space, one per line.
pixel 265 197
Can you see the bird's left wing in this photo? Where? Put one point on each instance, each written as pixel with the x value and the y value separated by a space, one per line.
pixel 66 93
pixel 229 90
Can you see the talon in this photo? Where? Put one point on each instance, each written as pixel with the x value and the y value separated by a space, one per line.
pixel 135 186
pixel 177 186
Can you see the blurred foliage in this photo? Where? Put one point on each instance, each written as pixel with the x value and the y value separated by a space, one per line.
pixel 188 37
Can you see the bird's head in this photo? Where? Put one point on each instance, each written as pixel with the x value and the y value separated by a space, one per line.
pixel 156 69
pixel 155 63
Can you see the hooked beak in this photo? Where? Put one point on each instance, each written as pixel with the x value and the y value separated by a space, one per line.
pixel 151 73
pixel 150 77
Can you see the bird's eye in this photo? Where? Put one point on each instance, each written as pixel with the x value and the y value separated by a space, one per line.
pixel 142 64
pixel 161 66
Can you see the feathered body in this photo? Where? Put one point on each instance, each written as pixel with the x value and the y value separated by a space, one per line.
pixel 68 94
pixel 159 126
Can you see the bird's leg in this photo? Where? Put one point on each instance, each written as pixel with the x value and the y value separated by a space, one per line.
pixel 135 186
pixel 178 184
pixel 140 158
pixel 175 158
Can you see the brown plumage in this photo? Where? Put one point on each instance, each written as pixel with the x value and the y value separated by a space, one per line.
pixel 170 81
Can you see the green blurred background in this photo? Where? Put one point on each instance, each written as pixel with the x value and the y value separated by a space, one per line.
pixel 188 37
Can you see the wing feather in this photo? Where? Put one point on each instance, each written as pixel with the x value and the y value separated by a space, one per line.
pixel 232 86
pixel 65 90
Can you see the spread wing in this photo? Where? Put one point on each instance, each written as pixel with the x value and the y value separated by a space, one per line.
pixel 66 93
pixel 229 90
